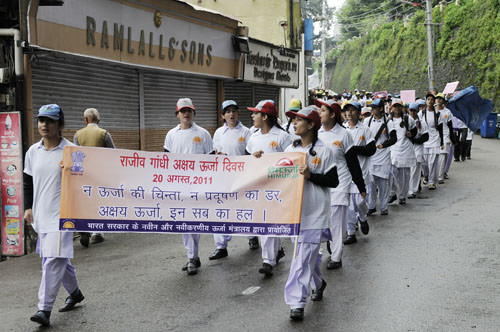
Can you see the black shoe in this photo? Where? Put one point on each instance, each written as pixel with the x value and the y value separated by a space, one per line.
pixel 192 267
pixel 384 213
pixel 468 158
pixel 350 239
pixel 41 317
pixel 463 158
pixel 197 263
pixel 72 300
pixel 412 196
pixel 218 253
pixel 253 243
pixel 446 177
pixel 371 212
pixel 317 295
pixel 432 186
pixel 440 181
pixel 456 159
pixel 95 239
pixel 297 314
pixel 365 228
pixel 266 269
pixel 333 265
pixel 393 198
pixel 85 239
pixel 281 254
pixel 402 201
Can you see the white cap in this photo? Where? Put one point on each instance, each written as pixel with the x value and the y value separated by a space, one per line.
pixel 184 103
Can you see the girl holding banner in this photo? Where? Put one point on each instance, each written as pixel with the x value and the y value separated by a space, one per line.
pixel 270 138
pixel 230 139
pixel 42 195
pixel 340 142
pixel 320 173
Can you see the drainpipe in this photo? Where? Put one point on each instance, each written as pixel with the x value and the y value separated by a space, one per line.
pixel 18 50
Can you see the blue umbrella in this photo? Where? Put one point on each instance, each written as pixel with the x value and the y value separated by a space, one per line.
pixel 468 106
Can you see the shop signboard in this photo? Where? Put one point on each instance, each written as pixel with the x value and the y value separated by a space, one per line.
pixel 11 173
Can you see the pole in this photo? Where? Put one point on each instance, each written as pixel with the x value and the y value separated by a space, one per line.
pixel 430 43
pixel 323 33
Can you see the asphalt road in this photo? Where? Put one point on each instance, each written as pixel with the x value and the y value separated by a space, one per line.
pixel 432 265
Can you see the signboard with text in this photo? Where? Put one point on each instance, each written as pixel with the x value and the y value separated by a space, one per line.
pixel 11 173
pixel 115 190
pixel 272 65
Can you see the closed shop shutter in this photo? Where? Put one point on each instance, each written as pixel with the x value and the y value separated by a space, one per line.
pixel 76 83
pixel 267 92
pixel 241 93
pixel 161 92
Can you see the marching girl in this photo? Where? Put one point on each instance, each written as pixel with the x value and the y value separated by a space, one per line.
pixel 188 137
pixel 448 137
pixel 336 137
pixel 384 134
pixel 364 147
pixel 402 152
pixel 319 173
pixel 230 139
pixel 42 194
pixel 418 141
pixel 269 138
pixel 434 145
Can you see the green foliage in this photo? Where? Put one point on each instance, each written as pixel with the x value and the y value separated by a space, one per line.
pixel 394 56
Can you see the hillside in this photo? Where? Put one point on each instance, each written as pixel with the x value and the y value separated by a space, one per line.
pixel 394 55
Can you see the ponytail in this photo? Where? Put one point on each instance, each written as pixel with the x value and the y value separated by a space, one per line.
pixel 315 139
pixel 273 122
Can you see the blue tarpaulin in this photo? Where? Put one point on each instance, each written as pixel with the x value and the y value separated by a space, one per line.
pixel 468 106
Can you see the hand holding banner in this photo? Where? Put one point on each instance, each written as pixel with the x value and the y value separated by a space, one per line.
pixel 136 191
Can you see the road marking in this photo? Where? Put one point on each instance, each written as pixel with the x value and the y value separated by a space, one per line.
pixel 250 290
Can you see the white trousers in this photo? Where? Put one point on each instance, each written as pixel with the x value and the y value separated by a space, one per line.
pixel 443 156
pixel 415 175
pixel 358 208
pixel 55 270
pixel 304 274
pixel 270 246
pixel 431 167
pixel 383 193
pixel 338 231
pixel 221 240
pixel 191 244
pixel 402 181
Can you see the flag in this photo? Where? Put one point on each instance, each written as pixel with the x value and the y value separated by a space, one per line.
pixel 468 106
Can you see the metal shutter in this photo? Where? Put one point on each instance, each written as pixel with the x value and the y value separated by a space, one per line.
pixel 267 92
pixel 161 91
pixel 77 83
pixel 242 93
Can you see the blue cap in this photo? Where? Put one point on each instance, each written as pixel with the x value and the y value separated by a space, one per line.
pixel 354 104
pixel 377 103
pixel 413 106
pixel 420 102
pixel 397 96
pixel 227 103
pixel 51 111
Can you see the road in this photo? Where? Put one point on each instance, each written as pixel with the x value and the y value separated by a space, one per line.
pixel 432 265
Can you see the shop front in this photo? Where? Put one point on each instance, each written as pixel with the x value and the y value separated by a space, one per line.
pixel 131 60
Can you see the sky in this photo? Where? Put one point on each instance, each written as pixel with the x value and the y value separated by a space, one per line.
pixel 336 3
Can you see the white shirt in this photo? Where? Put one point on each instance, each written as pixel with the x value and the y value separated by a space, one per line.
pixel 362 136
pixel 276 140
pixel 447 116
pixel 316 209
pixel 194 140
pixel 339 140
pixel 470 133
pixel 232 141
pixel 403 153
pixel 381 156
pixel 419 148
pixel 43 166
pixel 434 142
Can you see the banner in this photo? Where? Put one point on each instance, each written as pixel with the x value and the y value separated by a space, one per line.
pixel 11 165
pixel 450 87
pixel 111 190
pixel 407 96
pixel 468 106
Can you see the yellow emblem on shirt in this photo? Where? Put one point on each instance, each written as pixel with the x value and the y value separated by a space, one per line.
pixel 197 139
pixel 337 144
pixel 445 116
pixel 316 162
pixel 361 138
pixel 273 144
pixel 241 139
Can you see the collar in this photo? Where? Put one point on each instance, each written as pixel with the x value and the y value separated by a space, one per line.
pixel 92 125
pixel 226 127
pixel 60 146
pixel 193 127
